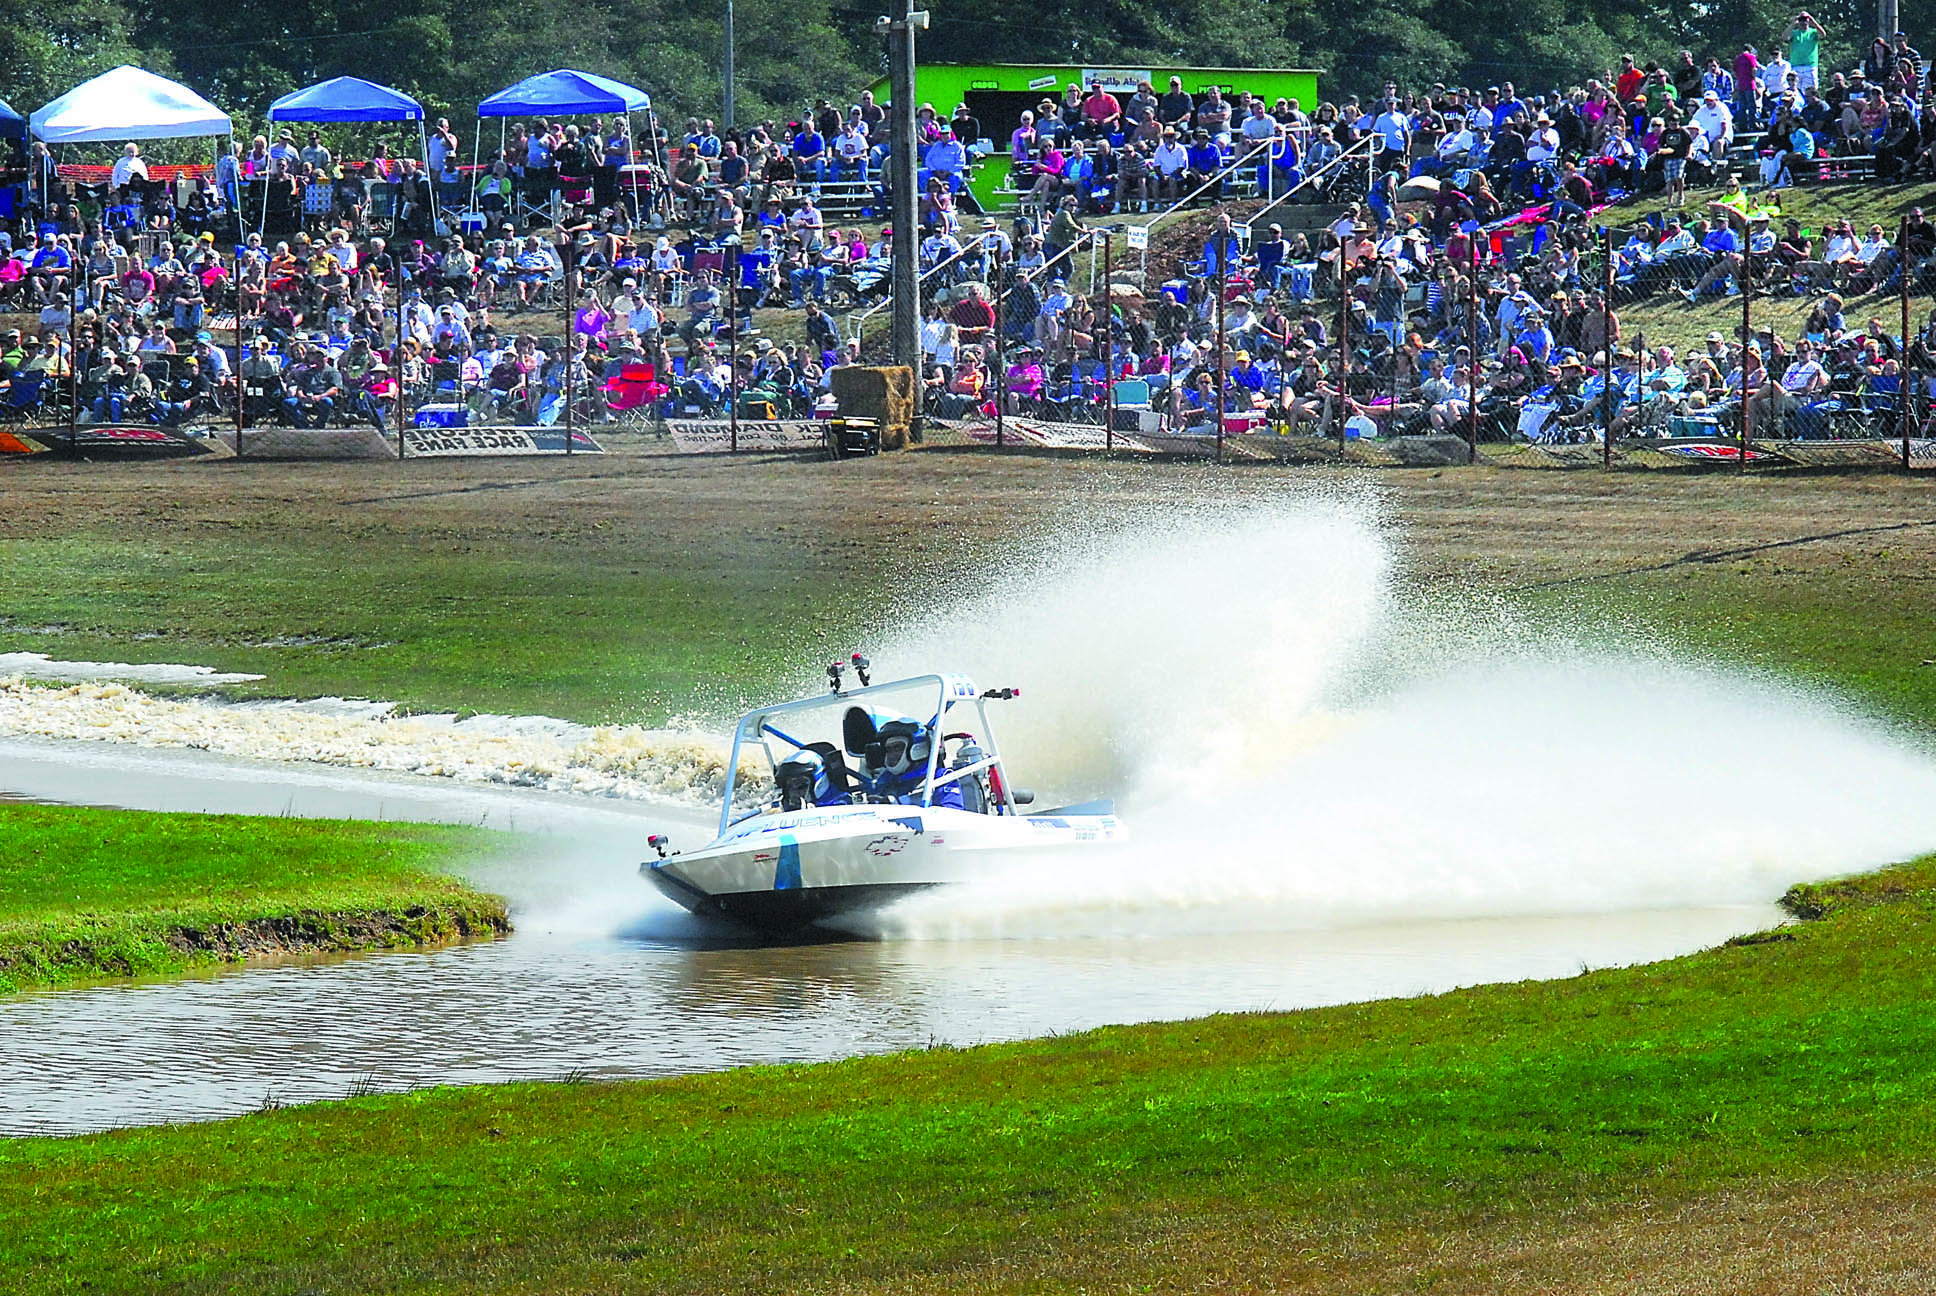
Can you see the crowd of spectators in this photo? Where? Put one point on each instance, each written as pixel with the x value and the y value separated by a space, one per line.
pixel 370 283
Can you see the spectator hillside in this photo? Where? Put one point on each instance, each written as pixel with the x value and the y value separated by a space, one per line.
pixel 1411 261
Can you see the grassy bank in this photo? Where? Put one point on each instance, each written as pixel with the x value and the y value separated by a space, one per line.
pixel 1525 1137
pixel 1666 319
pixel 88 893
pixel 585 630
pixel 639 589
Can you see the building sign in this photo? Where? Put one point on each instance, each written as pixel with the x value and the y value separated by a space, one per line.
pixel 1044 83
pixel 1114 79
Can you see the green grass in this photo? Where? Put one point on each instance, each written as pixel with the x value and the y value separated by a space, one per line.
pixel 1864 628
pixel 1103 1159
pixel 92 893
pixel 584 630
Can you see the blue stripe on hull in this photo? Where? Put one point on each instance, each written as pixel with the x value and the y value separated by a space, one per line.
pixel 786 872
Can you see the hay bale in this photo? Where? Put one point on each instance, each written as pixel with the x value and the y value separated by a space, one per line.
pixel 884 394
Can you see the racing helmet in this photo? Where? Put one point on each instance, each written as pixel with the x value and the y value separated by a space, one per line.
pixel 803 780
pixel 900 746
pixel 886 745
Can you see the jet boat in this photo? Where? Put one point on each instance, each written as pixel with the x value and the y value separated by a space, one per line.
pixel 857 798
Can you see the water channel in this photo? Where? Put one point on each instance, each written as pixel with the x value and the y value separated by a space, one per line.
pixel 604 979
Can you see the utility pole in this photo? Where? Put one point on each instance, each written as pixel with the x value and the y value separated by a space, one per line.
pixel 1888 18
pixel 903 168
pixel 727 106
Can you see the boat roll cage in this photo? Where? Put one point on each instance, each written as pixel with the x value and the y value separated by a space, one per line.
pixel 950 691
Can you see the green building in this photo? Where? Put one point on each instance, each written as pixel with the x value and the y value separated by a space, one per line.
pixel 999 93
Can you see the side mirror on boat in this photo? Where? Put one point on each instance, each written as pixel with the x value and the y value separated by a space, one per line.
pixel 658 842
pixel 1022 796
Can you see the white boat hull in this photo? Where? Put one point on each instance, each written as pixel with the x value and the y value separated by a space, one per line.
pixel 781 872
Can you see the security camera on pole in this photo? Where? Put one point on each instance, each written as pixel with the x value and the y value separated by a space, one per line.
pixel 903 167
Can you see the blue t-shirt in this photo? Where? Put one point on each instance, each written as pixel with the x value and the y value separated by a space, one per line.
pixel 752 266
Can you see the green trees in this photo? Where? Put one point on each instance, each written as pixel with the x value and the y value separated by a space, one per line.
pixel 791 53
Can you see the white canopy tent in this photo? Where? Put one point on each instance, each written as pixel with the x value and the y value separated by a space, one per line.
pixel 128 103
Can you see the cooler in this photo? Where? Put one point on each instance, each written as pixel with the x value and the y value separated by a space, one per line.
pixel 451 415
pixel 1684 426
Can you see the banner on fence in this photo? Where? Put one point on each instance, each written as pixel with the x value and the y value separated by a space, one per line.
pixel 715 436
pixel 116 441
pixel 474 442
pixel 1714 452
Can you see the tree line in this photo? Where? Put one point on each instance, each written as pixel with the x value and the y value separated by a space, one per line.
pixel 789 54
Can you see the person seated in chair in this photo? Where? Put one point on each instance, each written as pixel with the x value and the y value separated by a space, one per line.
pixel 812 777
pixel 315 386
pixel 894 755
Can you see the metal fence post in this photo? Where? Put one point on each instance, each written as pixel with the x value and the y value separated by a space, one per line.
pixel 1223 375
pixel 1344 347
pixel 235 283
pixel 396 362
pixel 1767 373
pixel 731 296
pixel 1606 343
pixel 1108 349
pixel 73 380
pixel 1472 366
pixel 1000 278
pixel 569 255
pixel 1903 385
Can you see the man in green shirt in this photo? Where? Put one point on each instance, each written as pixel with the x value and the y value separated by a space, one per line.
pixel 1804 37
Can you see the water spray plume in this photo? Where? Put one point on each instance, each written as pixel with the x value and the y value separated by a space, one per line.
pixel 1296 743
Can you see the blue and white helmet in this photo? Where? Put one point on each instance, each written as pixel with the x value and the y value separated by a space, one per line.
pixel 886 745
pixel 803 780
pixel 904 745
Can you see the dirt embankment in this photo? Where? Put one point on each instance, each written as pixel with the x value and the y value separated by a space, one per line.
pixel 119 946
pixel 315 932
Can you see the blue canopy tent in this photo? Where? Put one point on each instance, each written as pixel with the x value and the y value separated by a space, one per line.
pixel 564 93
pixel 347 99
pixel 12 127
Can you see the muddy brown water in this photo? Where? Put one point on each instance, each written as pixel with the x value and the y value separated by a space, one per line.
pixel 603 979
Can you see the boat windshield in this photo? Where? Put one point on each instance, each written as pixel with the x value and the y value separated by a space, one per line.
pixel 879 743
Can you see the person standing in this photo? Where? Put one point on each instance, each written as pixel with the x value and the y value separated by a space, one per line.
pixel 1804 41
pixel 1747 79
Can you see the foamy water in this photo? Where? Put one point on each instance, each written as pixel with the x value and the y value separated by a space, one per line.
pixel 1298 744
pixel 520 751
pixel 40 666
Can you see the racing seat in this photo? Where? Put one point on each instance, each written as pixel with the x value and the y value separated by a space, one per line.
pixel 835 767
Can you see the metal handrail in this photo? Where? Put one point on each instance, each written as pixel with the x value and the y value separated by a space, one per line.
pixel 857 321
pixel 1334 163
pixel 1230 168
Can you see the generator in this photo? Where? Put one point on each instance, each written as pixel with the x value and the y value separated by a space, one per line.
pixel 849 437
